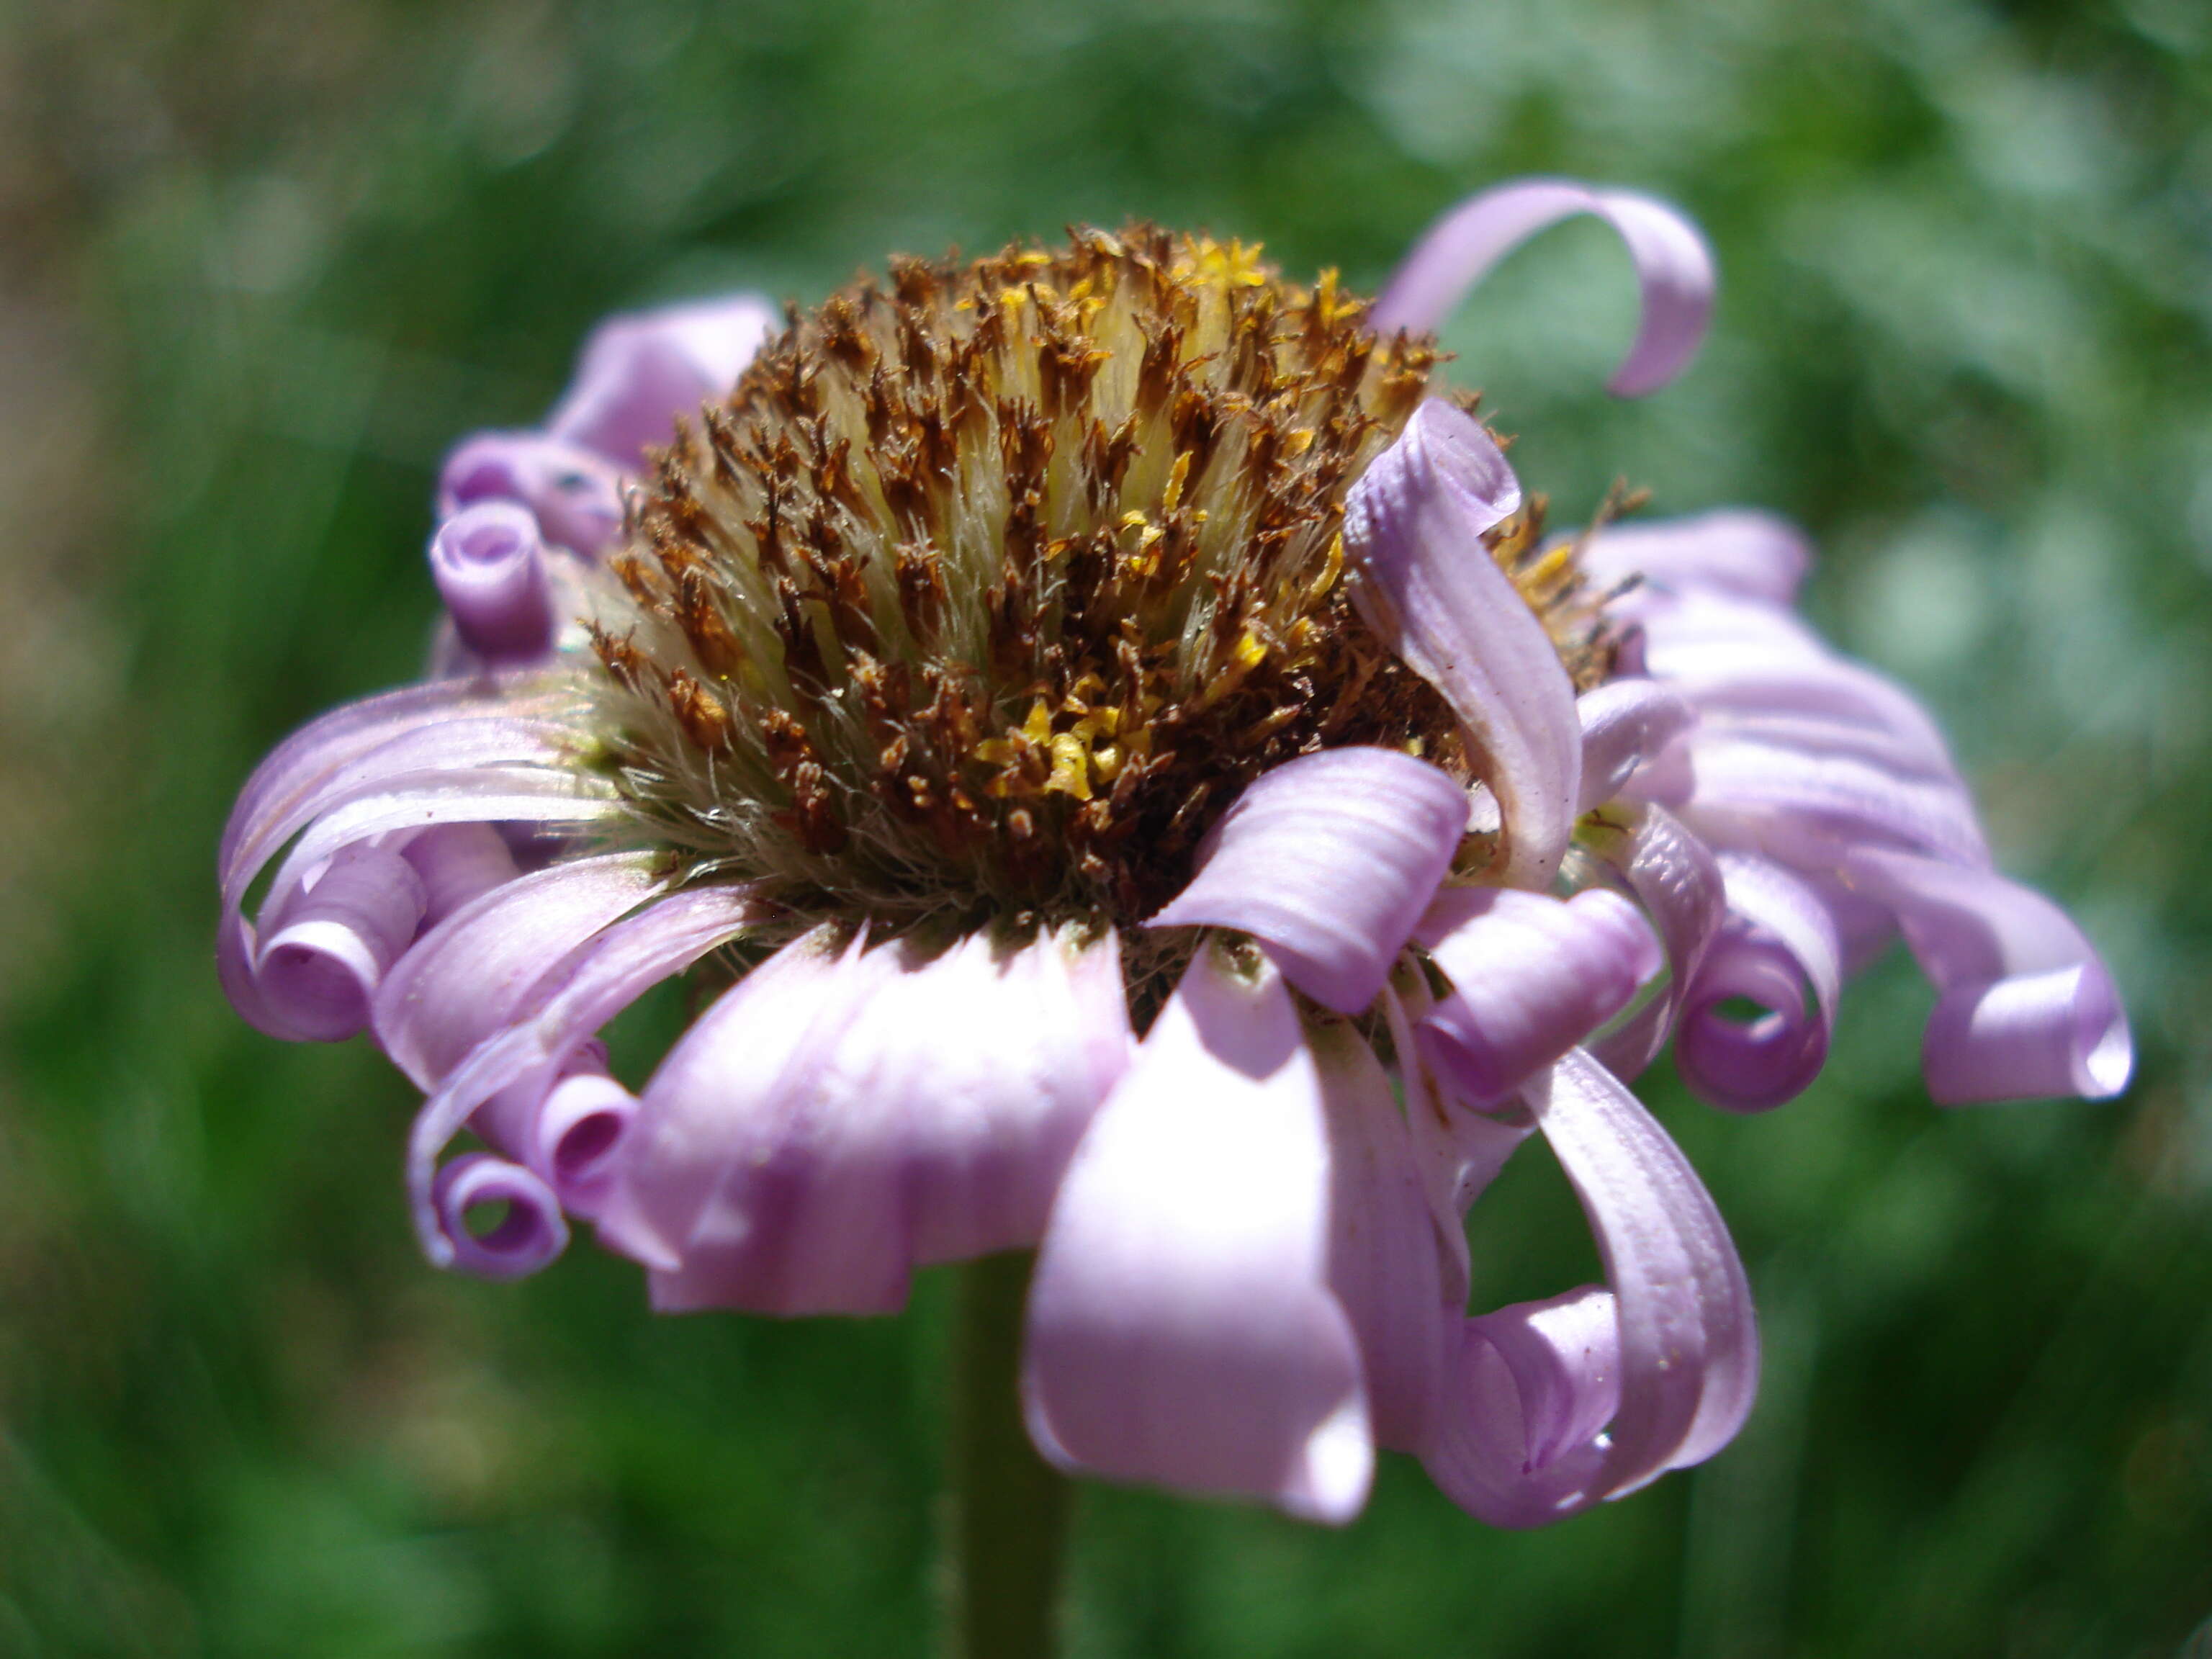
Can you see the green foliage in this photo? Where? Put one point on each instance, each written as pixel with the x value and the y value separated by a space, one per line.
pixel 266 262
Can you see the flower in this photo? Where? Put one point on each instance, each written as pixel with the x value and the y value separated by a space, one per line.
pixel 1153 795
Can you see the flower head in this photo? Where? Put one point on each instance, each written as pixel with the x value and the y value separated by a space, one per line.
pixel 1152 794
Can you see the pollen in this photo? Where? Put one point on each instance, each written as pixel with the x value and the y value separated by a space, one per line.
pixel 989 585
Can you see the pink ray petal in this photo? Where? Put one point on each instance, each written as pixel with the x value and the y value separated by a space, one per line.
pixel 596 982
pixel 1779 949
pixel 817 1136
pixel 1531 977
pixel 1414 520
pixel 1673 268
pixel 574 493
pixel 526 1239
pixel 1627 723
pixel 474 972
pixel 1755 556
pixel 1684 1361
pixel 639 372
pixel 2024 1006
pixel 1182 1329
pixel 333 945
pixel 488 563
pixel 1328 861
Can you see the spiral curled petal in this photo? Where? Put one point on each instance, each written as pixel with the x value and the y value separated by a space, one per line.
pixel 488 563
pixel 574 493
pixel 1673 268
pixel 1779 950
pixel 563 1011
pixel 569 1131
pixel 333 944
pixel 528 1235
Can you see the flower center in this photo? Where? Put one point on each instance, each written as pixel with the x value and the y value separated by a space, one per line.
pixel 989 590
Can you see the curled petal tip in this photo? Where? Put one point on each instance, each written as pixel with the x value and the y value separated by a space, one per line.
pixel 526 1237
pixel 1672 1380
pixel 574 493
pixel 1779 950
pixel 488 563
pixel 1673 268
pixel 2025 1007
pixel 318 971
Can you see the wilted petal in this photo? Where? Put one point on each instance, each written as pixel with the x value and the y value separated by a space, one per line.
pixel 1679 884
pixel 638 373
pixel 1753 555
pixel 476 972
pixel 1626 725
pixel 335 942
pixel 579 1129
pixel 1415 519
pixel 1182 1329
pixel 815 1138
pixel 529 1234
pixel 574 494
pixel 1779 950
pixel 1688 1354
pixel 1673 268
pixel 1531 977
pixel 489 565
pixel 567 1007
pixel 2024 1007
pixel 1328 861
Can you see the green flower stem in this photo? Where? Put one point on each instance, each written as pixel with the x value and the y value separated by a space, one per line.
pixel 1009 1510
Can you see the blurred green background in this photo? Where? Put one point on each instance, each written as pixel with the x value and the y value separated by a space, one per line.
pixel 260 263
